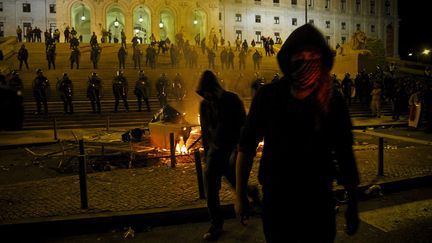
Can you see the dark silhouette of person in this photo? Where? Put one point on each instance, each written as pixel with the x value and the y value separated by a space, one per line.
pixel 222 115
pixel 122 57
pixel 75 57
pixel 41 87
pixel 65 91
pixel 95 55
pixel 161 89
pixel 51 55
pixel 23 56
pixel 94 92
pixel 142 90
pixel 120 90
pixel 306 128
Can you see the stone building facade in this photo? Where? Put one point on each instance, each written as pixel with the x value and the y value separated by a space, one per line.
pixel 246 19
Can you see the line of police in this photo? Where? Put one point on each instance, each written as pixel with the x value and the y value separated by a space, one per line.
pixel 142 90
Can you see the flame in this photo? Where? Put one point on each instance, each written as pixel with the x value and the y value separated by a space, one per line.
pixel 181 147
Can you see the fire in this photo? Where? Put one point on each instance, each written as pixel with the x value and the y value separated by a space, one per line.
pixel 181 147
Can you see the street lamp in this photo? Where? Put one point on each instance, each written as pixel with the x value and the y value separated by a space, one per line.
pixel 116 23
pixel 426 52
pixel 161 25
pixel 195 22
pixel 83 17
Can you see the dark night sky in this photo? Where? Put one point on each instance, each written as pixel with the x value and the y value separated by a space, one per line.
pixel 415 29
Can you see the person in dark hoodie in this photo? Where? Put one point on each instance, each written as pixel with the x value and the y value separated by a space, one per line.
pixel 308 144
pixel 222 115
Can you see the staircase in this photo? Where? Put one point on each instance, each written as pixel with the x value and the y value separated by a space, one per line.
pixel 107 67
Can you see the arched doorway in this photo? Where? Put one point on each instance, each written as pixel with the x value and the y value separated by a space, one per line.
pixel 198 24
pixel 166 25
pixel 80 14
pixel 115 20
pixel 142 23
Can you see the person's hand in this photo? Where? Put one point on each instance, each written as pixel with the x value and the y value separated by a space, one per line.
pixel 351 218
pixel 241 207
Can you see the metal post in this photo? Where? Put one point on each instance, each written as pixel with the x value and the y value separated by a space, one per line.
pixel 83 176
pixel 381 156
pixel 55 129
pixel 108 123
pixel 172 149
pixel 305 11
pixel 199 174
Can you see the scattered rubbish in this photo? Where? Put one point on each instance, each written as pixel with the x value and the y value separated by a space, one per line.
pixel 130 233
pixel 374 190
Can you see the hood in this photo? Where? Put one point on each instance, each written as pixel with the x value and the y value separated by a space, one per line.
pixel 306 36
pixel 209 83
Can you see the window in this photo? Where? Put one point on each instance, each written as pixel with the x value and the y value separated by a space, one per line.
pixel 343 39
pixel 276 3
pixel 238 1
pixel 343 25
pixel 358 27
pixel 1 6
pixel 372 28
pixel 258 36
pixel 52 8
pixel 358 6
pixel 327 4
pixel 294 21
pixel 1 29
pixel 276 20
pixel 311 21
pixel 220 16
pixel 239 34
pixel 258 2
pixel 293 2
pixel 327 24
pixel 372 7
pixel 257 18
pixel 26 7
pixel 238 17
pixel 310 3
pixel 387 7
pixel 343 5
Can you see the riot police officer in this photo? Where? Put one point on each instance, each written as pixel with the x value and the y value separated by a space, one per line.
pixel 179 91
pixel 120 90
pixel 161 88
pixel 94 91
pixel 51 55
pixel 41 87
pixel 75 57
pixel 65 91
pixel 142 90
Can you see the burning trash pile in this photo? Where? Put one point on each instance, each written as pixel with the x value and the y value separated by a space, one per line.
pixel 170 122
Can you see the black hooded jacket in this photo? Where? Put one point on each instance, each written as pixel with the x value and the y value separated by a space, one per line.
pixel 295 148
pixel 221 117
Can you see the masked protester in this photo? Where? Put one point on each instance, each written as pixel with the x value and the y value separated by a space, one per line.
pixel 306 129
pixel 222 116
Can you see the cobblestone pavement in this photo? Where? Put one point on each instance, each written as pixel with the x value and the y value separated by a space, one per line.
pixel 165 188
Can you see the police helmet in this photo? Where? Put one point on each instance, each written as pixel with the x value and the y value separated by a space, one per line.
pixel 119 72
pixel 93 74
pixel 38 71
pixel 65 74
pixel 15 72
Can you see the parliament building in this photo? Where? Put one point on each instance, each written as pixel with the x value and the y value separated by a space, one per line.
pixel 246 19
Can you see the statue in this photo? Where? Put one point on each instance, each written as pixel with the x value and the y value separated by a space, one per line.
pixel 355 46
